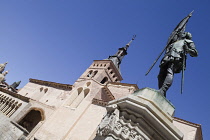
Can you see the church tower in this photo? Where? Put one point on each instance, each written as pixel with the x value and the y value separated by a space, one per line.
pixel 107 70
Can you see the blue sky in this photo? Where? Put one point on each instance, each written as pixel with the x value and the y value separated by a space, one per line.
pixel 57 40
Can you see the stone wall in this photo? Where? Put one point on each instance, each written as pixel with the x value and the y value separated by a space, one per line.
pixel 9 130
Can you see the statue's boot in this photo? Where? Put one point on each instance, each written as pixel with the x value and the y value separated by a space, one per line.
pixel 162 92
pixel 166 84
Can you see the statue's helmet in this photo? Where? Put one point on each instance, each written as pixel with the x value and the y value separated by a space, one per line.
pixel 187 35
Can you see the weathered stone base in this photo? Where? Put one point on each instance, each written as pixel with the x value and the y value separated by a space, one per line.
pixel 143 115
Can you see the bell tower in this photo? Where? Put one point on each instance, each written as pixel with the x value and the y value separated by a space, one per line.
pixel 107 70
pixel 102 71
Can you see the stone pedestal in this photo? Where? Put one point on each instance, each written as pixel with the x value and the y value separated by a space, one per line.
pixel 143 115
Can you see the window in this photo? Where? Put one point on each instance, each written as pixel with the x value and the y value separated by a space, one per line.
pixel 88 84
pixel 104 80
pixel 31 120
pixel 80 98
pixel 89 73
pixel 94 73
pixel 74 95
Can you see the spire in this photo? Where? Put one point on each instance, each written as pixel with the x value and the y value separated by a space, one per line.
pixel 117 58
pixel 2 67
pixel 127 45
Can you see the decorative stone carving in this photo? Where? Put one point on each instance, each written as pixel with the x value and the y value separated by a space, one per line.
pixel 3 84
pixel 139 116
pixel 8 105
pixel 2 67
pixel 133 134
pixel 109 121
pixel 125 131
pixel 117 126
pixel 2 76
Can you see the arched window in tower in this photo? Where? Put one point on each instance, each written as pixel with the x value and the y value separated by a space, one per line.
pixel 31 120
pixel 79 90
pixel 88 84
pixel 80 98
pixel 74 95
pixel 104 80
pixel 86 91
pixel 89 73
pixel 94 73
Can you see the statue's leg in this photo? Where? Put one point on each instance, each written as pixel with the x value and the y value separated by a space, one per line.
pixel 162 75
pixel 167 80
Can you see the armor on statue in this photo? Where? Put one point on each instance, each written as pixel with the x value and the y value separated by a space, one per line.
pixel 174 60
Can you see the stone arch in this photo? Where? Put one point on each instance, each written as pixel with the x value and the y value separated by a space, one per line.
pixel 45 90
pixel 105 79
pixel 94 73
pixel 79 90
pixel 32 118
pixel 74 95
pixel 8 107
pixel 41 89
pixel 90 73
pixel 80 98
pixel 86 91
pixel 5 103
pixel 1 99
pixel 88 84
pixel 14 108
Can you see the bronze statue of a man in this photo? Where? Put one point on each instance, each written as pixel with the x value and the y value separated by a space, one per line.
pixel 174 60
